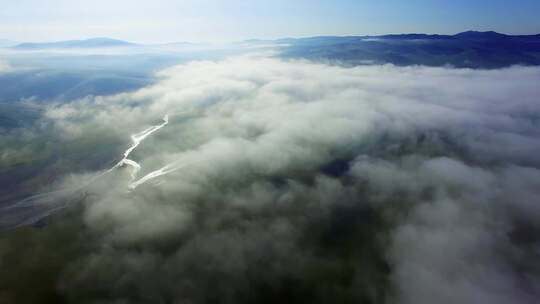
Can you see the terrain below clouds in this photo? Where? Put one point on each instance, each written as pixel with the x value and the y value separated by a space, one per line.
pixel 262 180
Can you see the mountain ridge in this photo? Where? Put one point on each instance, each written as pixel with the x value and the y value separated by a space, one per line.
pixel 83 43
pixel 466 35
pixel 470 49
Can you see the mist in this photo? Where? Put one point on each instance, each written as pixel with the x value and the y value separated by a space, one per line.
pixel 259 179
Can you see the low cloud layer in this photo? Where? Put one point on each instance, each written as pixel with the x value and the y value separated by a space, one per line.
pixel 294 181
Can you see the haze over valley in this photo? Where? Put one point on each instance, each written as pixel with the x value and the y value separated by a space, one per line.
pixel 292 168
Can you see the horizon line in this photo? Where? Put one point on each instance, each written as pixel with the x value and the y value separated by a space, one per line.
pixel 19 42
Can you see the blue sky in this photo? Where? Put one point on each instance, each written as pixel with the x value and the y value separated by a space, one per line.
pixel 226 20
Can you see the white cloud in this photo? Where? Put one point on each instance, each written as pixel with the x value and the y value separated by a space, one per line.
pixel 447 156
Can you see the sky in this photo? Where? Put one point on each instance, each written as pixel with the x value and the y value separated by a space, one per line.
pixel 232 20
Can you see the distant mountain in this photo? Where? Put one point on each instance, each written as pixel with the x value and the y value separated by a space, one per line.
pixel 87 43
pixel 468 35
pixel 409 37
pixel 469 49
pixel 491 35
